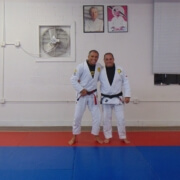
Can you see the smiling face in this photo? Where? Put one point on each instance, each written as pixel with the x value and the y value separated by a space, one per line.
pixel 93 58
pixel 108 60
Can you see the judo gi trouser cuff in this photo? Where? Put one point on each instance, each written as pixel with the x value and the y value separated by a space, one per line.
pixel 122 137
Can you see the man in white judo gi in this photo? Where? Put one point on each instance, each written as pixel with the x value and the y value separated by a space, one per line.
pixel 84 81
pixel 115 91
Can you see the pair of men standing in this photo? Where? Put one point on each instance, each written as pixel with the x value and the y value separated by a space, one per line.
pixel 113 82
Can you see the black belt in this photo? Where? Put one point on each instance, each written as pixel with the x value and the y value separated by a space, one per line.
pixel 112 96
pixel 91 92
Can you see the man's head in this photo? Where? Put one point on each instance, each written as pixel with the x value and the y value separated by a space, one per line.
pixel 93 57
pixel 109 60
pixel 93 12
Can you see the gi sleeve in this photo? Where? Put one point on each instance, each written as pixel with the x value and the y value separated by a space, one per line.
pixel 75 78
pixel 126 86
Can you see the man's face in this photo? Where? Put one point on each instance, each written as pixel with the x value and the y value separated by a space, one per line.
pixel 93 58
pixel 94 14
pixel 109 60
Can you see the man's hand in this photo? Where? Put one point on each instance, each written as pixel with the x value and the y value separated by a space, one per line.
pixel 127 99
pixel 83 92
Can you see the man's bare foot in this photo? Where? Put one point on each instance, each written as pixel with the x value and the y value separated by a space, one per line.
pixel 126 141
pixel 72 141
pixel 107 141
pixel 98 140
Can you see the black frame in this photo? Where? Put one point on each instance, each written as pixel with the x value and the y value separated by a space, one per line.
pixel 86 16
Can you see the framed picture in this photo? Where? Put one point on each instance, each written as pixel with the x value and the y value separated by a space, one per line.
pixel 117 18
pixel 93 19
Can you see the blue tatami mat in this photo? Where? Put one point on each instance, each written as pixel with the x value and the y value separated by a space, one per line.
pixel 90 163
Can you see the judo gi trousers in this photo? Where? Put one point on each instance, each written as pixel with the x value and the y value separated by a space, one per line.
pixel 107 123
pixel 80 108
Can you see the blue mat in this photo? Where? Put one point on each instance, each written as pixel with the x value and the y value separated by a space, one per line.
pixel 90 163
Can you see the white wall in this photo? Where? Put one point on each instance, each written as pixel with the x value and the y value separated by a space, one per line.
pixel 40 93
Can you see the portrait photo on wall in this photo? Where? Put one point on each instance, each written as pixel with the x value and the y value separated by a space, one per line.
pixel 93 18
pixel 117 18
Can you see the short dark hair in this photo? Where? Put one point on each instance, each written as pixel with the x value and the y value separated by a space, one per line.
pixel 93 51
pixel 109 54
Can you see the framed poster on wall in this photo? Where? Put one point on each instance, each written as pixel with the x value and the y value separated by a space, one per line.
pixel 117 17
pixel 93 18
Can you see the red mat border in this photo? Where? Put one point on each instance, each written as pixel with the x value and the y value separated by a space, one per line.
pixel 86 139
